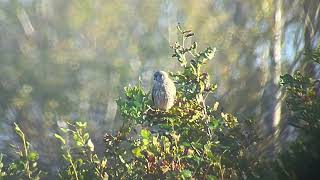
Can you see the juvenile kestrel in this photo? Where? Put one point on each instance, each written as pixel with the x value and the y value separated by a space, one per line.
pixel 163 91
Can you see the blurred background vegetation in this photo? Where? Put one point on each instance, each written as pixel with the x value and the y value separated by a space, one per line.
pixel 68 60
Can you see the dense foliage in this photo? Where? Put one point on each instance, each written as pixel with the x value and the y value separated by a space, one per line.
pixel 301 160
pixel 187 141
pixel 191 140
pixel 184 141
pixel 25 166
pixel 68 60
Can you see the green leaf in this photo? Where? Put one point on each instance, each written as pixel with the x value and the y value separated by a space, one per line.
pixel 155 141
pixel 65 130
pixel 60 138
pixel 137 152
pixel 213 87
pixel 18 131
pixel 186 144
pixel 33 156
pixel 286 79
pixel 121 159
pixel 202 86
pixel 211 177
pixel 145 142
pixel 67 157
pixel 90 145
pixel 145 133
pixel 186 174
pixel 86 136
pixel 81 124
pixel 213 124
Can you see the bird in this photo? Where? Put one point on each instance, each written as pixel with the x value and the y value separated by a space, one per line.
pixel 163 91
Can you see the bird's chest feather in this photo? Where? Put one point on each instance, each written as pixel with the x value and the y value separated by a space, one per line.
pixel 162 89
pixel 163 94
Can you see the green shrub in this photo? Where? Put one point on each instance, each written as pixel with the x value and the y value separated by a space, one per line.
pixel 302 159
pixel 82 161
pixel 26 166
pixel 191 139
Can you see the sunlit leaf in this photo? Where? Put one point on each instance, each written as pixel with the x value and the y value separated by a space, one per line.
pixel 60 138
pixel 90 145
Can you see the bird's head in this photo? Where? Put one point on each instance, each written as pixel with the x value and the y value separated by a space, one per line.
pixel 160 76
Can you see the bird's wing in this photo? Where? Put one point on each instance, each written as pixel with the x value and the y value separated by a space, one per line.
pixel 152 94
